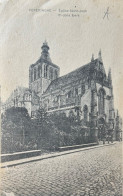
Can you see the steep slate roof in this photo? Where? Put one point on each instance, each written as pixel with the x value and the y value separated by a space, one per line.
pixel 73 76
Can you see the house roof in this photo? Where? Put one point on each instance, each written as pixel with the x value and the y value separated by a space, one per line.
pixel 80 73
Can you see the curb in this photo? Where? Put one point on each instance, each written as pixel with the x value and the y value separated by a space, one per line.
pixel 39 158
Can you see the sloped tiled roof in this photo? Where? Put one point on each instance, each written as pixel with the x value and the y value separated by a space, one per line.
pixel 73 76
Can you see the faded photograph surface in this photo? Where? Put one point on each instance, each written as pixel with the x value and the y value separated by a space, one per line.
pixel 61 77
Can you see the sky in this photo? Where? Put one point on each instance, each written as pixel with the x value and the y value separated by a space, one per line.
pixel 72 39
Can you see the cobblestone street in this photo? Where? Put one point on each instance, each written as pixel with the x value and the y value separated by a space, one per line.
pixel 95 172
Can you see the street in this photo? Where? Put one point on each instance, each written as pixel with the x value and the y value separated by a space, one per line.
pixel 94 172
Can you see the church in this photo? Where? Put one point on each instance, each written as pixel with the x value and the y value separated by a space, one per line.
pixel 87 92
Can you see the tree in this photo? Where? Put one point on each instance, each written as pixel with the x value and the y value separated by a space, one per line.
pixel 16 126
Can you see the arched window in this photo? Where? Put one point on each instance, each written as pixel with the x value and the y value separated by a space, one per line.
pixel 85 112
pixel 39 71
pixel 101 101
pixel 35 74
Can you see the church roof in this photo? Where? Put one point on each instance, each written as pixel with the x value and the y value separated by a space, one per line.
pixel 80 73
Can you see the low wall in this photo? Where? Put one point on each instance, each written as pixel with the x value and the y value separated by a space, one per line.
pixel 75 146
pixel 19 155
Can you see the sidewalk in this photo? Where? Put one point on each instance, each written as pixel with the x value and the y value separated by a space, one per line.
pixel 47 156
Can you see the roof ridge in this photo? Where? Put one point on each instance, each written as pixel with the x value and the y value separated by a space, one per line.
pixel 74 70
pixel 67 75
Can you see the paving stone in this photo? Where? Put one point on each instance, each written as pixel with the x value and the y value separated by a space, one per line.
pixel 96 172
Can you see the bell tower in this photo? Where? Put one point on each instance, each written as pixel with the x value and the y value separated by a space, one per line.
pixel 45 52
pixel 43 72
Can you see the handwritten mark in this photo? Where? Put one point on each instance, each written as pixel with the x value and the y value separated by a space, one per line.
pixel 106 13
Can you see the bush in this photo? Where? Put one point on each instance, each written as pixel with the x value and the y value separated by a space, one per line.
pixel 16 128
pixel 20 132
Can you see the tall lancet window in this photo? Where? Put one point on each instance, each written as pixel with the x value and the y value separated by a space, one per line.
pixel 32 75
pixel 85 113
pixel 56 74
pixel 35 74
pixel 51 73
pixel 46 71
pixel 39 71
pixel 101 101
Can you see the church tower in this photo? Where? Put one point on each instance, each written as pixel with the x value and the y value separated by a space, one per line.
pixel 43 72
pixel 45 52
